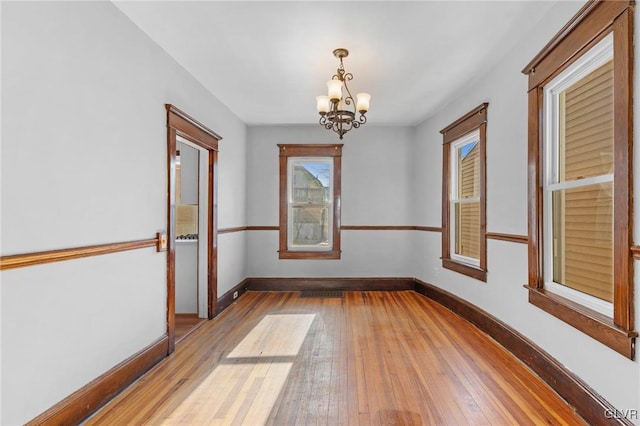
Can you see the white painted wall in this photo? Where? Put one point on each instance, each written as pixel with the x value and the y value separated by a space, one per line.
pixel 84 162
pixel 375 191
pixel 504 87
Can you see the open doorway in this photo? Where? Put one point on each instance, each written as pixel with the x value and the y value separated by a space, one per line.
pixel 192 221
pixel 192 163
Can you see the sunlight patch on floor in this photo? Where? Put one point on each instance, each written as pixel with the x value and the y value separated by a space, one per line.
pixel 275 335
pixel 238 392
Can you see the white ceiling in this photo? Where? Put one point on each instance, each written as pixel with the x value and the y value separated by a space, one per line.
pixel 267 61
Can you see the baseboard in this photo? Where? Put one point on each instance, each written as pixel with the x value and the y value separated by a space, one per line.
pixel 227 299
pixel 88 399
pixel 591 406
pixel 354 284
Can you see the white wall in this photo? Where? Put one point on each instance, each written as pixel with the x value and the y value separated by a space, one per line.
pixel 84 162
pixel 375 191
pixel 610 374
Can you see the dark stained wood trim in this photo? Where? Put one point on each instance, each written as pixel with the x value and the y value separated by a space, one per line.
pixel 474 119
pixel 564 31
pixel 181 124
pixel 465 124
pixel 353 284
pixel 589 404
pixel 231 230
pixel 310 150
pixel 51 256
pixel 591 22
pixel 263 228
pixel 623 314
pixel 88 399
pixel 227 299
pixel 186 119
pixel 591 323
pixel 462 268
pixel 429 228
pixel 594 21
pixel 378 228
pixel 523 239
pixel 534 189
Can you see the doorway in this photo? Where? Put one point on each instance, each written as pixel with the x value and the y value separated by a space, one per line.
pixel 192 163
pixel 192 219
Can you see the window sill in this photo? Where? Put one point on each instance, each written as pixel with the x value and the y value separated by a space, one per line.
pixel 320 255
pixel 588 321
pixel 469 270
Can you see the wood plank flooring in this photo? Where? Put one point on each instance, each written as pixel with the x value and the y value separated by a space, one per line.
pixel 381 358
pixel 185 324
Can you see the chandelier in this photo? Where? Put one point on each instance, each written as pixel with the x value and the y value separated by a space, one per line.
pixel 338 109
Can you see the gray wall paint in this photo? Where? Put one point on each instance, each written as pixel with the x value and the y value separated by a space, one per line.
pixel 84 162
pixel 375 191
pixel 504 87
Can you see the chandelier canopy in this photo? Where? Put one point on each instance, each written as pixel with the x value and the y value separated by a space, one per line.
pixel 338 109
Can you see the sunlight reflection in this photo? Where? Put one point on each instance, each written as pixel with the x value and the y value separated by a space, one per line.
pixel 240 392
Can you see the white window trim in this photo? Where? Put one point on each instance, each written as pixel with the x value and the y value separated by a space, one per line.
pixel 291 162
pixel 601 53
pixel 473 136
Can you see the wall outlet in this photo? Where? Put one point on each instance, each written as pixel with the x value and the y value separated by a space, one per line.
pixel 235 294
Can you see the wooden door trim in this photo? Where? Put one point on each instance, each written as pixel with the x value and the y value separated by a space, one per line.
pixel 181 124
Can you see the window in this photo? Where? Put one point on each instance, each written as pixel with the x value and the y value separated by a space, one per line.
pixel 580 262
pixel 463 202
pixel 310 201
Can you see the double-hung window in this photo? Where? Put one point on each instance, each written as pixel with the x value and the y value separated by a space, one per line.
pixel 580 175
pixel 310 201
pixel 463 201
pixel 578 180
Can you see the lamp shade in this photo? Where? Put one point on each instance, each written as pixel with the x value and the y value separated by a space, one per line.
pixel 323 104
pixel 335 89
pixel 363 101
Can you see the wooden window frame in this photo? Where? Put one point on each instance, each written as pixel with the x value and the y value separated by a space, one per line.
pixel 310 150
pixel 475 119
pixel 591 24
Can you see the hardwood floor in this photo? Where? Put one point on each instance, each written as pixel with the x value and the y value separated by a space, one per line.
pixel 392 358
pixel 185 324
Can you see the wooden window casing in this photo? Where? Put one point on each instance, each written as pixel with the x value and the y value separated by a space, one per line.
pixel 475 220
pixel 595 21
pixel 299 151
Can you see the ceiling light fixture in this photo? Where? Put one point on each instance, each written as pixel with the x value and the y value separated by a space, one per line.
pixel 338 109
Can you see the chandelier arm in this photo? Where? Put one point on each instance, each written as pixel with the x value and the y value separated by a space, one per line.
pixel 363 119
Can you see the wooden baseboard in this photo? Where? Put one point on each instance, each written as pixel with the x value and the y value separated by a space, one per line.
pixel 88 399
pixel 354 284
pixel 591 406
pixel 227 299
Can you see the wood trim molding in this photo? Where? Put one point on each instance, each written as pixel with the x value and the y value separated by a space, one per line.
pixel 342 228
pixel 377 228
pixel 353 284
pixel 589 404
pixel 263 228
pixel 590 24
pixel 309 150
pixel 429 228
pixel 181 124
pixel 635 251
pixel 86 400
pixel 591 323
pixel 476 119
pixel 523 239
pixel 227 299
pixel 231 230
pixel 51 256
